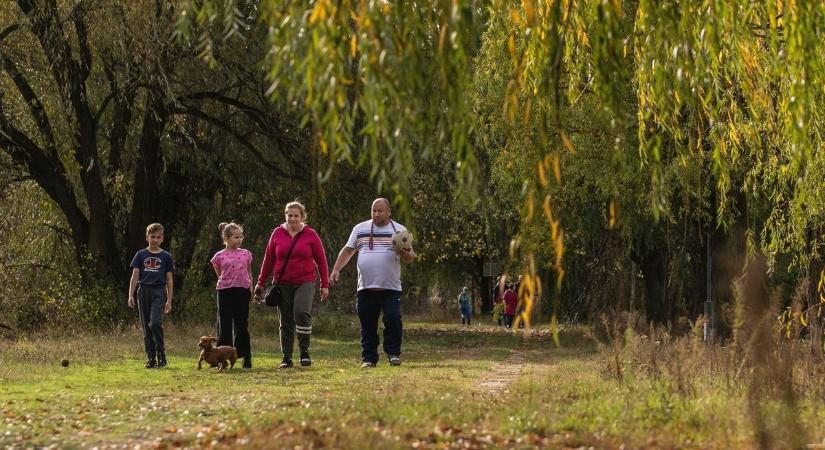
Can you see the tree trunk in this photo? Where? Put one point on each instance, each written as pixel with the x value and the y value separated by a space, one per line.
pixel 148 166
pixel 654 270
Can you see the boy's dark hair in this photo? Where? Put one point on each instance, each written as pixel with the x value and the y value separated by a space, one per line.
pixel 154 228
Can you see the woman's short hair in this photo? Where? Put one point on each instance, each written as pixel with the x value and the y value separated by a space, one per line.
pixel 298 205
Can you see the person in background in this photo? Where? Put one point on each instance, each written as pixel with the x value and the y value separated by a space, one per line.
pixel 498 302
pixel 465 306
pixel 510 303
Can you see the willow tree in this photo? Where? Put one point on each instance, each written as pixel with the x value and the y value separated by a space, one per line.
pixel 734 85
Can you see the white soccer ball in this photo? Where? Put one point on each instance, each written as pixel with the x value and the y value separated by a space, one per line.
pixel 402 239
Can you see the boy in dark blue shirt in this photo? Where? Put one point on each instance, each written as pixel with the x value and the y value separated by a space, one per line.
pixel 152 270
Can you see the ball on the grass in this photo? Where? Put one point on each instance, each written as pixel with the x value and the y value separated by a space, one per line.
pixel 64 362
pixel 402 239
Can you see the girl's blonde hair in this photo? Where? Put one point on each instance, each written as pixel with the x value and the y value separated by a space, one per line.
pixel 226 229
pixel 298 205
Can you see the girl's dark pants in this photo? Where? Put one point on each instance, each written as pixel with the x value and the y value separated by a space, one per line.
pixel 151 301
pixel 233 319
pixel 370 305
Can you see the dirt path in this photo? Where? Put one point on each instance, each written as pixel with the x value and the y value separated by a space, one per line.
pixel 503 375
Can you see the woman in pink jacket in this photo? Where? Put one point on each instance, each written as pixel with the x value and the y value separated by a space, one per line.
pixel 306 263
pixel 510 303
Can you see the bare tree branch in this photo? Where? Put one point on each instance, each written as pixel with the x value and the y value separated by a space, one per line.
pixel 238 137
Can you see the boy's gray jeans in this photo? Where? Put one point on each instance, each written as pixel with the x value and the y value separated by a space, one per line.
pixel 151 301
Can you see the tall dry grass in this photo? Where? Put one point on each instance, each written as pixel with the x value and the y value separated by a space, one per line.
pixel 771 370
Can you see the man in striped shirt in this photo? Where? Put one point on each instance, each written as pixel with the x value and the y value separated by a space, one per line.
pixel 379 281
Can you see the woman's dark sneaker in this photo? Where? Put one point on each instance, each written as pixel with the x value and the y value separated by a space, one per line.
pixel 161 359
pixel 285 364
pixel 395 360
pixel 247 362
pixel 150 364
pixel 367 365
pixel 305 359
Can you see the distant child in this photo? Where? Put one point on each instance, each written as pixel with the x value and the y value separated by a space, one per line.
pixel 152 270
pixel 233 266
pixel 498 302
pixel 510 303
pixel 464 306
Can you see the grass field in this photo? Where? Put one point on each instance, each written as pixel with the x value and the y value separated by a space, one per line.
pixel 457 388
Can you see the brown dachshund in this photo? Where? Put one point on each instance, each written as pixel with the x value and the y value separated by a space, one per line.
pixel 216 356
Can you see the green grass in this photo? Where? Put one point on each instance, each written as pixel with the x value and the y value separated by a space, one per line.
pixel 562 399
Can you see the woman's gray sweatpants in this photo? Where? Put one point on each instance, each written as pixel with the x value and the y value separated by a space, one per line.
pixel 296 316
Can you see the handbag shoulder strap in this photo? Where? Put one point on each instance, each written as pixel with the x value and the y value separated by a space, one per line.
pixel 294 241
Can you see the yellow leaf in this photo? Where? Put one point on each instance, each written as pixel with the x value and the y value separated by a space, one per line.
pixel 529 12
pixel 527 108
pixel 319 12
pixel 566 142
pixel 554 327
pixel 559 279
pixel 802 320
pixel 557 169
pixel 442 37
pixel 542 175
pixel 511 46
pixel 548 213
pixel 617 7
pixel 353 45
pixel 558 247
pixel 612 223
pixel 530 208
pixel 515 17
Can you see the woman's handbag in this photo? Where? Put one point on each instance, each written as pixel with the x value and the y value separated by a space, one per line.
pixel 273 294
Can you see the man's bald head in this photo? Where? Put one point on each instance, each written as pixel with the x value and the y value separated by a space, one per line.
pixel 380 211
pixel 382 200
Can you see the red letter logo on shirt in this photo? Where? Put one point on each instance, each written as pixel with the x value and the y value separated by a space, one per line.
pixel 152 263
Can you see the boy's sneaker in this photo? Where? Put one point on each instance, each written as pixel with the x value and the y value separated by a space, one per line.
pixel 150 364
pixel 161 359
pixel 395 360
pixel 247 362
pixel 305 359
pixel 367 365
pixel 285 364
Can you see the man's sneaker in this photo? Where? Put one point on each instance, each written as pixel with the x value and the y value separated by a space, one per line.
pixel 247 362
pixel 150 364
pixel 161 359
pixel 395 360
pixel 367 365
pixel 285 364
pixel 305 359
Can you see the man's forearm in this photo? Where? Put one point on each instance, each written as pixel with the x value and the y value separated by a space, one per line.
pixel 343 258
